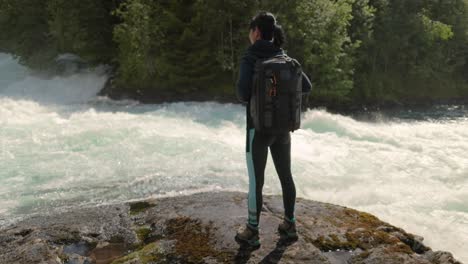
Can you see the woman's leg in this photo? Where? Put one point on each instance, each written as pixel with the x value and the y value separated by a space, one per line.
pixel 257 152
pixel 281 153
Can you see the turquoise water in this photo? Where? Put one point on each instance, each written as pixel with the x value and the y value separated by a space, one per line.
pixel 63 147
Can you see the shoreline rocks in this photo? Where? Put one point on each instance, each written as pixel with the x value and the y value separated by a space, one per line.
pixel 157 96
pixel 200 228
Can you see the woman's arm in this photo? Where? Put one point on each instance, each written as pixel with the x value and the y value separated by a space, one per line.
pixel 244 83
pixel 306 84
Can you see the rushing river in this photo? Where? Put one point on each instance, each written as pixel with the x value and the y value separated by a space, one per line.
pixel 61 147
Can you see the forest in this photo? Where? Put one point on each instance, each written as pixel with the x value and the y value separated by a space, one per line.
pixel 357 52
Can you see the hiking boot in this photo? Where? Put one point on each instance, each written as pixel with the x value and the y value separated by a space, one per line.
pixel 248 236
pixel 287 230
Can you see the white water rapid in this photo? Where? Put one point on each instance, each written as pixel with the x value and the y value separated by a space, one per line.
pixel 61 146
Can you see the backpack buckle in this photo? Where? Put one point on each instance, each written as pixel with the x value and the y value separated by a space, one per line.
pixel 272 91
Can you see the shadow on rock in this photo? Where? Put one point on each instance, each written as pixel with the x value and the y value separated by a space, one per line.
pixel 243 254
pixel 276 254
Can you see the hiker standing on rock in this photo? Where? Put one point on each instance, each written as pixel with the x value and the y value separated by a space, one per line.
pixel 272 84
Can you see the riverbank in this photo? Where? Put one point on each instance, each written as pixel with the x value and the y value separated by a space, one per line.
pixel 149 96
pixel 200 228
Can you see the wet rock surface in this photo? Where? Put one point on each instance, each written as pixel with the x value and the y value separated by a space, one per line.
pixel 200 228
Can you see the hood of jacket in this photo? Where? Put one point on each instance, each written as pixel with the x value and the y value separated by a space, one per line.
pixel 264 49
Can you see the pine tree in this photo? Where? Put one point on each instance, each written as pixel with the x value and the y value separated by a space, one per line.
pixel 25 32
pixel 83 27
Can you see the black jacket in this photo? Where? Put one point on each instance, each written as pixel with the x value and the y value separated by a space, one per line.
pixel 261 49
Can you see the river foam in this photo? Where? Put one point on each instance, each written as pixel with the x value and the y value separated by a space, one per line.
pixel 61 146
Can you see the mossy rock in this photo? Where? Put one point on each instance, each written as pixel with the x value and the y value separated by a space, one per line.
pixel 147 254
pixel 193 240
pixel 71 237
pixel 143 233
pixel 331 243
pixel 138 207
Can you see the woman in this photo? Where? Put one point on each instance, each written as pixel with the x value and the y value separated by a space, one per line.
pixel 266 38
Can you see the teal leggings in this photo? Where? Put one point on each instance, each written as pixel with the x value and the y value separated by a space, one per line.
pixel 257 152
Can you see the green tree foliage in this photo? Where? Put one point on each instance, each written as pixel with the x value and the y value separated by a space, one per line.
pixel 200 48
pixel 228 29
pixel 361 51
pixel 453 53
pixel 404 58
pixel 182 46
pixel 361 33
pixel 25 34
pixel 327 49
pixel 134 37
pixel 186 61
pixel 83 27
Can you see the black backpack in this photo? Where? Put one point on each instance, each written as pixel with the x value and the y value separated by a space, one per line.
pixel 275 104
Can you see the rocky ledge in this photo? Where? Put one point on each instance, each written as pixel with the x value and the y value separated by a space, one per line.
pixel 200 228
